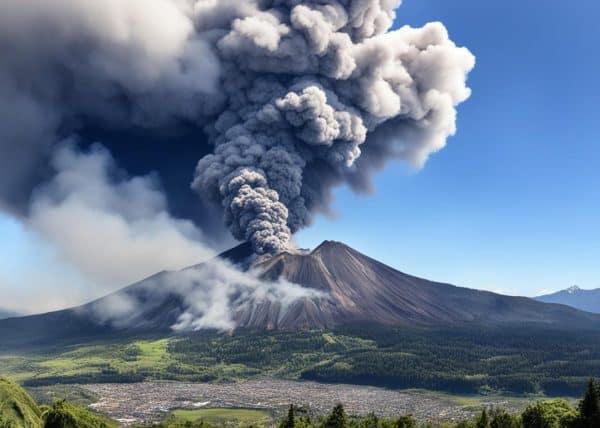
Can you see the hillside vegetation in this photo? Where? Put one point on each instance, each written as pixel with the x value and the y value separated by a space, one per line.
pixel 520 360
pixel 19 410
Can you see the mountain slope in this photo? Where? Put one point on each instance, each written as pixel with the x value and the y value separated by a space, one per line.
pixel 156 310
pixel 363 289
pixel 4 313
pixel 351 288
pixel 17 408
pixel 584 300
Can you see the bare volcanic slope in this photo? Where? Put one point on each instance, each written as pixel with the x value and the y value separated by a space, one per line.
pixel 352 288
pixel 363 289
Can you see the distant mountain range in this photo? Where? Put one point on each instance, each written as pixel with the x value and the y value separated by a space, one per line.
pixel 353 289
pixel 584 300
pixel 4 313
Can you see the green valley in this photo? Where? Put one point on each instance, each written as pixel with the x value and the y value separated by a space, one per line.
pixel 508 361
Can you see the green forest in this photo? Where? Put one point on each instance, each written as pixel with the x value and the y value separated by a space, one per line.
pixel 510 361
pixel 521 360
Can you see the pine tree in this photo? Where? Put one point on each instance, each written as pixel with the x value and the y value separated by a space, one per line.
pixel 371 421
pixel 589 407
pixel 289 421
pixel 406 421
pixel 337 418
pixel 500 418
pixel 483 421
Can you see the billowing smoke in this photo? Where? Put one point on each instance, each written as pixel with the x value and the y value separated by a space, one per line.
pixel 112 227
pixel 111 64
pixel 292 97
pixel 310 85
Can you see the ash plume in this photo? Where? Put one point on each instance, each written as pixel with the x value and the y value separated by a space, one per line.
pixel 309 86
pixel 292 97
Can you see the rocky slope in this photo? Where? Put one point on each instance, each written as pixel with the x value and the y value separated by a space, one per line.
pixel 360 288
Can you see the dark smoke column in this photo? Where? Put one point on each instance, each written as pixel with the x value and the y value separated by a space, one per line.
pixel 318 93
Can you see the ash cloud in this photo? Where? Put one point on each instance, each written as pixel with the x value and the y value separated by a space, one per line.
pixel 310 87
pixel 293 97
pixel 117 64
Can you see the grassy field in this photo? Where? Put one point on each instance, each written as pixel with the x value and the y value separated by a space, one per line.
pixel 72 393
pixel 147 358
pixel 17 408
pixel 163 359
pixel 225 416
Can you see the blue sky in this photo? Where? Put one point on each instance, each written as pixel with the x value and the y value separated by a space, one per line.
pixel 511 204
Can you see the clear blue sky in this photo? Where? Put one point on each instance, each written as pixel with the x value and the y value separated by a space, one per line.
pixel 512 204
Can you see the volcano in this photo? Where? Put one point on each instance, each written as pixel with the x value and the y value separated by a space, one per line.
pixel 350 288
pixel 361 289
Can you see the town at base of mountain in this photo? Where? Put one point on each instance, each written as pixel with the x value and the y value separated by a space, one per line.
pixel 19 410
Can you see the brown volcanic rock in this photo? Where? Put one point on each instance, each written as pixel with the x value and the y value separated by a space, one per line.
pixel 304 313
pixel 363 289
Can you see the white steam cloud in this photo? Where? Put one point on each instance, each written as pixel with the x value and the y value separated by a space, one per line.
pixel 217 294
pixel 113 228
pixel 106 230
pixel 212 295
